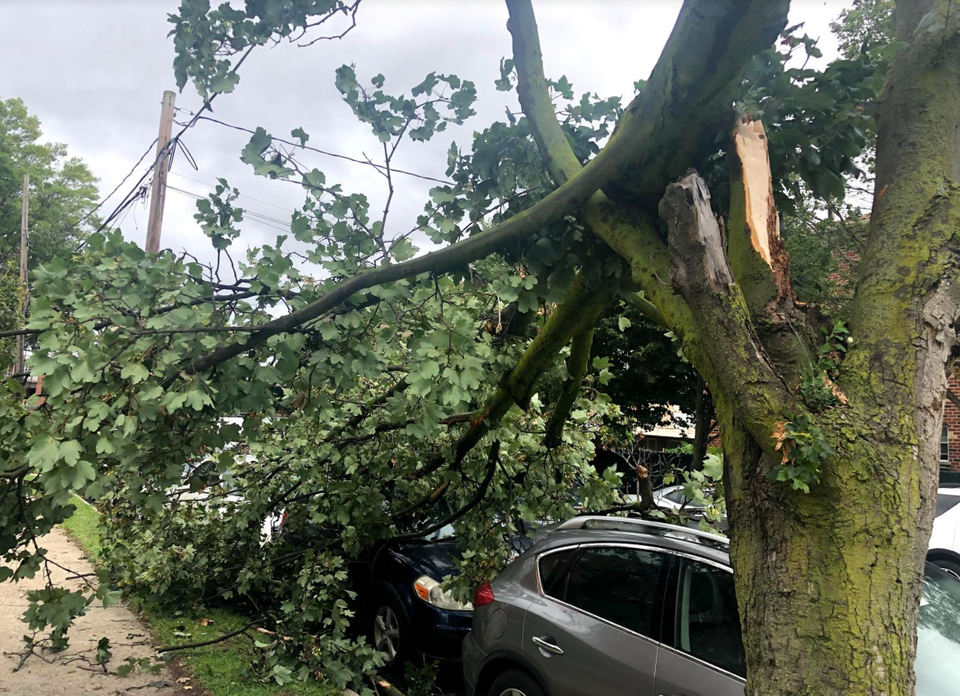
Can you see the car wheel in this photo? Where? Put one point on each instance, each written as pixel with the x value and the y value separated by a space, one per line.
pixel 949 565
pixel 513 682
pixel 389 632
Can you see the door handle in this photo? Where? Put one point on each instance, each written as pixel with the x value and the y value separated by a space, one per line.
pixel 546 643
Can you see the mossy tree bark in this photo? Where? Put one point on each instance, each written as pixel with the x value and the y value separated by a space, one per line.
pixel 828 581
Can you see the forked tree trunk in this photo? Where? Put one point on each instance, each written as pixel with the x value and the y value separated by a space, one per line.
pixel 829 582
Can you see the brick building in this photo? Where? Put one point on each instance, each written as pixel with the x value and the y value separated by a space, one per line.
pixel 950 433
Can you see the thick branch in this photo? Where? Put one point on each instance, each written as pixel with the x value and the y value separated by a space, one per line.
pixel 558 156
pixel 579 313
pixel 908 300
pixel 624 228
pixel 759 260
pixel 565 199
pixel 700 273
pixel 757 257
pixel 577 365
pixel 646 308
pixel 672 124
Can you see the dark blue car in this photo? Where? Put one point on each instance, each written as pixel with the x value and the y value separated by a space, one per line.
pixel 408 612
pixel 401 605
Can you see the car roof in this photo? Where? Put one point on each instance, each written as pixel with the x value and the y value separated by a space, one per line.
pixel 671 537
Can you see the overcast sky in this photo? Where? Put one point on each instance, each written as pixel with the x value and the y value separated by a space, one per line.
pixel 94 72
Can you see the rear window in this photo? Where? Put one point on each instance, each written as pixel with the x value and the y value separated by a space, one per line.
pixel 946 502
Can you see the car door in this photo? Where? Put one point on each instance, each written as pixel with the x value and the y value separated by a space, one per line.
pixel 702 651
pixel 594 625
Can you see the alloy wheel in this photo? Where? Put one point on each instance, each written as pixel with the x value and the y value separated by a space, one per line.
pixel 386 634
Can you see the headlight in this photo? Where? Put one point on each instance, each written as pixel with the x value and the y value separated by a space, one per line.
pixel 430 591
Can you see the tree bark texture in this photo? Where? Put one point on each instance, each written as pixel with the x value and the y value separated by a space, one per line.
pixel 829 582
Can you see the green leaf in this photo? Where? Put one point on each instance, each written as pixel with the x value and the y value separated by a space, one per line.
pixel 70 451
pixel 83 473
pixel 197 400
pixel 135 372
pixel 44 454
pixel 300 135
pixel 225 83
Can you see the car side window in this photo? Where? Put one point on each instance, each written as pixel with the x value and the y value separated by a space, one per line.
pixel 618 584
pixel 708 623
pixel 553 568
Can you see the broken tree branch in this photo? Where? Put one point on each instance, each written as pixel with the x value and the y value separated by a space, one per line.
pixel 577 365
pixel 701 275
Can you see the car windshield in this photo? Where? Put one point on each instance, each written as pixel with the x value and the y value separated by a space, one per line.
pixel 938 634
pixel 435 514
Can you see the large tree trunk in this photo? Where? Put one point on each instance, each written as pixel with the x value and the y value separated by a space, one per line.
pixel 829 582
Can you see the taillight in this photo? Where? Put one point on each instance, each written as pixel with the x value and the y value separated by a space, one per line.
pixel 483 595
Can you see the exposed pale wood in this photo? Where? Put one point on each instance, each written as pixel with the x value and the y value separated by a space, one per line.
pixel 762 220
pixel 164 153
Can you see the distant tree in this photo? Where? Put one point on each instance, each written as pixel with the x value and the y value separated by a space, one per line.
pixel 62 188
pixel 866 27
pixel 650 372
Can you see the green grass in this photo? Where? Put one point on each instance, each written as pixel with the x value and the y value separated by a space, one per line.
pixel 84 526
pixel 218 668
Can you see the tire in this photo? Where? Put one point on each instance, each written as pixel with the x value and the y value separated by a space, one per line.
pixel 513 682
pixel 949 565
pixel 390 631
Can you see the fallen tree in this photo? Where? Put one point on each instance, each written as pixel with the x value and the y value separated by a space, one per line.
pixel 393 382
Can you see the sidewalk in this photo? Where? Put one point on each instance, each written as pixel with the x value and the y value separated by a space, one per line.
pixel 62 674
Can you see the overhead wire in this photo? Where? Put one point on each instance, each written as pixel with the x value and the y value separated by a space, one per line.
pixel 382 168
pixel 252 215
pixel 242 195
pixel 171 144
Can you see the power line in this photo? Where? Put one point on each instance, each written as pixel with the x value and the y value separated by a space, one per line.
pixel 367 163
pixel 246 211
pixel 252 215
pixel 242 195
pixel 117 188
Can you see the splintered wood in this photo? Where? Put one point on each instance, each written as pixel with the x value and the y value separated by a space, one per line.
pixel 762 220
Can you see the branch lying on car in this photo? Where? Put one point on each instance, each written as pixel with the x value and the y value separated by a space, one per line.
pixel 492 457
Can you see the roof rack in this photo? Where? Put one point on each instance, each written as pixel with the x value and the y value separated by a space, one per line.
pixel 598 522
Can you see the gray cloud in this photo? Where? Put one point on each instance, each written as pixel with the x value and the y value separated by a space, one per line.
pixel 94 71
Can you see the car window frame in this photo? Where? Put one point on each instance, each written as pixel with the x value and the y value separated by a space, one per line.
pixel 672 608
pixel 660 590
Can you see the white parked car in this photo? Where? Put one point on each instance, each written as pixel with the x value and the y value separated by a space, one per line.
pixel 673 498
pixel 944 549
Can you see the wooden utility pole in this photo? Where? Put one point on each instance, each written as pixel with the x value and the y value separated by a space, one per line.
pixel 164 154
pixel 19 367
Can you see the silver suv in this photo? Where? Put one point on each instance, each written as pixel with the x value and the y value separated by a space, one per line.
pixel 619 606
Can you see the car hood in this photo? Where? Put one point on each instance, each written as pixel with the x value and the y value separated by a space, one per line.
pixel 434 558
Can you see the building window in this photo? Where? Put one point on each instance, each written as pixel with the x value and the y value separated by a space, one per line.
pixel 944 444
